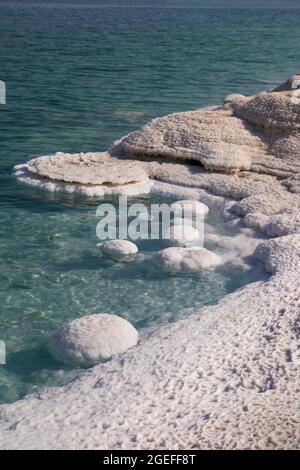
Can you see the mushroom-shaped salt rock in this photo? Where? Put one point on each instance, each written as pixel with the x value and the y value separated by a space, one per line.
pixel 118 249
pixel 92 339
pixel 186 259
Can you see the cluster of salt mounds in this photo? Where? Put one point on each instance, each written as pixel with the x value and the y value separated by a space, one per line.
pixel 179 235
pixel 227 377
pixel 92 339
pixel 186 253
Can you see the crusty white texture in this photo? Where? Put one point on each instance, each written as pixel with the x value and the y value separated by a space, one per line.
pixel 91 339
pixel 118 248
pixel 177 259
pixel 25 176
pixel 87 168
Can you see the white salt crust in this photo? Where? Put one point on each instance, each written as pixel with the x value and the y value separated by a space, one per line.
pixel 226 377
pixel 24 176
pixel 176 259
pixel 91 339
pixel 118 248
pixel 87 168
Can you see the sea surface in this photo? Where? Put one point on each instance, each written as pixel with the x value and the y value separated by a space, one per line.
pixel 80 75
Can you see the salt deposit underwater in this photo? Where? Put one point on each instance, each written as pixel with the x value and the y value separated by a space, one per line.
pixel 60 274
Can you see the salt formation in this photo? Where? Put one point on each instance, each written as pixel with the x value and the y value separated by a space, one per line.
pixel 117 249
pixel 186 259
pixel 87 169
pixel 90 174
pixel 92 339
pixel 209 136
pixel 258 133
pixel 226 377
pixel 227 138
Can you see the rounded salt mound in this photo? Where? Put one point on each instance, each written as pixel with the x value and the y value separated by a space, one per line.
pixel 190 207
pixel 92 339
pixel 117 249
pixel 186 259
pixel 183 235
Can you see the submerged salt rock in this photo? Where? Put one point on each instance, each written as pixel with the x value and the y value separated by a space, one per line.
pixel 118 248
pixel 182 235
pixel 186 259
pixel 92 339
pixel 190 207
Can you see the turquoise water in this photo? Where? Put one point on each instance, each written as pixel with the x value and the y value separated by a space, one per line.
pixel 79 76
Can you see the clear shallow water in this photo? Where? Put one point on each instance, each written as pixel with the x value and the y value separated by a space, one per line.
pixel 54 273
pixel 77 78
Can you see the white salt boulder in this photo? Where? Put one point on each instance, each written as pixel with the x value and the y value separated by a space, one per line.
pixel 183 235
pixel 118 249
pixel 186 259
pixel 92 339
pixel 190 207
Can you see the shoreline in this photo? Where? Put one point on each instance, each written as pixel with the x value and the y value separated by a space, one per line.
pixel 223 378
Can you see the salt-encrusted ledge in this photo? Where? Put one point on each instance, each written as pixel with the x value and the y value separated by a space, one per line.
pixel 256 137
